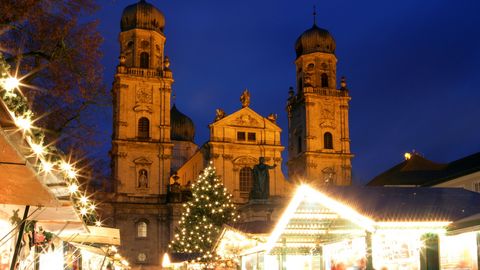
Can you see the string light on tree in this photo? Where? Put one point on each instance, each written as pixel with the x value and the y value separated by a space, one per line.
pixel 203 216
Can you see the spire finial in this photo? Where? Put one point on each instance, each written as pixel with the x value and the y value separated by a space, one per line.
pixel 314 15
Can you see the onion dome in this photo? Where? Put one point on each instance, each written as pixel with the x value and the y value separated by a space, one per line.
pixel 182 127
pixel 313 40
pixel 142 15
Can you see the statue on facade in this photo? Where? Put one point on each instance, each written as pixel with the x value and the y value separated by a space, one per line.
pixel 245 98
pixel 142 179
pixel 261 181
pixel 219 114
pixel 272 117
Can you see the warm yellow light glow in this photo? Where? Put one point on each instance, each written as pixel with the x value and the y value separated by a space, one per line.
pixel 413 224
pixel 114 249
pixel 84 200
pixel 10 83
pixel 23 123
pixel 98 223
pixel 83 211
pixel 47 166
pixel 166 260
pixel 408 156
pixel 37 149
pixel 306 193
pixel 73 188
pixel 92 207
pixel 117 256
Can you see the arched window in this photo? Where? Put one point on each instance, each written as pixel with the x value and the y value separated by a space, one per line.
pixel 324 78
pixel 246 179
pixel 144 60
pixel 143 128
pixel 327 140
pixel 142 229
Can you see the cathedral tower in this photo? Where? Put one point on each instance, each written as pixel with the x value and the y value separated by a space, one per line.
pixel 318 135
pixel 141 147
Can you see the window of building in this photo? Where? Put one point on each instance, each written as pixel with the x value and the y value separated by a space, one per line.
pixel 252 137
pixel 476 186
pixel 142 229
pixel 324 78
pixel 327 140
pixel 141 257
pixel 144 60
pixel 240 136
pixel 246 179
pixel 143 128
pixel 299 144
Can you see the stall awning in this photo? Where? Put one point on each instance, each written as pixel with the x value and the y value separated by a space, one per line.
pixel 20 183
pixel 58 220
pixel 96 235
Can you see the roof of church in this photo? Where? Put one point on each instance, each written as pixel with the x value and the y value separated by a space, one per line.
pixel 182 127
pixel 419 171
pixel 407 203
pixel 315 39
pixel 142 15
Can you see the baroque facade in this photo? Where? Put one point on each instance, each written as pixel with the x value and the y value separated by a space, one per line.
pixel 154 157
pixel 318 132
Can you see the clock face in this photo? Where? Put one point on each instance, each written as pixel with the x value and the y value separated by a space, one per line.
pixel 142 257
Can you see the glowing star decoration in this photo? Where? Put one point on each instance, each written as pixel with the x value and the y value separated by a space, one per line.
pixel 24 123
pixel 83 200
pixel 37 149
pixel 73 188
pixel 83 211
pixel 10 83
pixel 47 166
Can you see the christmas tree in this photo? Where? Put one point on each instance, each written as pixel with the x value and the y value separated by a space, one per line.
pixel 210 207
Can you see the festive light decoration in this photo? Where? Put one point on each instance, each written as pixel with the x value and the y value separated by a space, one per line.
pixel 10 83
pixel 49 159
pixel 202 217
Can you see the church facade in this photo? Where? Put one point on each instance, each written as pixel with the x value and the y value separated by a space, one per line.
pixel 154 157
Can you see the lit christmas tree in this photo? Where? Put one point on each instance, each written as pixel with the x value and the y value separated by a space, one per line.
pixel 202 218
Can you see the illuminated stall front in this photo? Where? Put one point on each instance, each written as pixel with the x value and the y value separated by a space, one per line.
pixel 369 228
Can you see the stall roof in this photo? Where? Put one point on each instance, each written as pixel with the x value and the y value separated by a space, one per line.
pixel 20 182
pixel 61 219
pixel 96 235
pixel 407 203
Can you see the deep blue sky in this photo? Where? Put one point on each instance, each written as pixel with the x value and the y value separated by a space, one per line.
pixel 413 68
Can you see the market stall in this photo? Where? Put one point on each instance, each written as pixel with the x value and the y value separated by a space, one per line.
pixel 370 228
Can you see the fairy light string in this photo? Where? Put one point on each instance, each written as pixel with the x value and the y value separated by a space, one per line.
pixel 47 158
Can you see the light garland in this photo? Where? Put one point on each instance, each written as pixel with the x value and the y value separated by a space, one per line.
pixel 49 159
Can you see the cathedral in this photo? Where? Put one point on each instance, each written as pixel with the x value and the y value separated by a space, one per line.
pixel 154 156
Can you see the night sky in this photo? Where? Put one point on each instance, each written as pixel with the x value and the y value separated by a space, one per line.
pixel 412 67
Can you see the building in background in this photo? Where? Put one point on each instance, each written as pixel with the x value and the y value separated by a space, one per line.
pixel 155 159
pixel 417 171
pixel 318 131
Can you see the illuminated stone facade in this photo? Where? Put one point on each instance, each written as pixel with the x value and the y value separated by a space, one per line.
pixel 318 132
pixel 155 159
pixel 237 141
